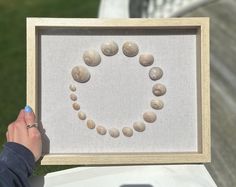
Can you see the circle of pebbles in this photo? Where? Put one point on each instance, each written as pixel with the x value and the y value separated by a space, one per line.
pixel 92 58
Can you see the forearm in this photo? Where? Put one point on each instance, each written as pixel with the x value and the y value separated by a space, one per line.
pixel 16 165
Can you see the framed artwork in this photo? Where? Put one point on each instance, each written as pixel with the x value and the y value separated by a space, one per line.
pixel 120 91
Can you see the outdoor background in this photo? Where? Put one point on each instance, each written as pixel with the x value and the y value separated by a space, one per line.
pixel 13 15
pixel 222 14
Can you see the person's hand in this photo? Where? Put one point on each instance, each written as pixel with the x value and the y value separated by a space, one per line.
pixel 18 132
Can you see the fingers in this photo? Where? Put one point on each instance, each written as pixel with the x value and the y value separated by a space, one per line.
pixel 20 130
pixel 29 116
pixel 12 133
pixel 28 137
pixel 34 134
pixel 30 119
pixel 21 115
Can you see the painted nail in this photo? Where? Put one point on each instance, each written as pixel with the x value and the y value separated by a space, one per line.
pixel 28 109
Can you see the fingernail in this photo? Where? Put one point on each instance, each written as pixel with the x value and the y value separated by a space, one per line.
pixel 28 109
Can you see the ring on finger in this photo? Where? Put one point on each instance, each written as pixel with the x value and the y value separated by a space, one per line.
pixel 32 125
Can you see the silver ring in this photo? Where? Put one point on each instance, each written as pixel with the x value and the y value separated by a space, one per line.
pixel 32 125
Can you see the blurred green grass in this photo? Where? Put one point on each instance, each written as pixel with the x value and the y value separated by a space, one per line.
pixel 13 15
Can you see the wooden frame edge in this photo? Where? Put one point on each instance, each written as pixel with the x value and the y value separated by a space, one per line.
pixel 31 66
pixel 119 22
pixel 205 90
pixel 117 159
pixel 123 159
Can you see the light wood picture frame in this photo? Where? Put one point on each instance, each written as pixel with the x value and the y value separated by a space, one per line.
pixel 200 25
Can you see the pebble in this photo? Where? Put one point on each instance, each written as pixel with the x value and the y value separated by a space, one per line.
pixel 146 59
pixel 127 131
pixel 92 57
pixel 101 130
pixel 149 117
pixel 72 88
pixel 158 89
pixel 73 97
pixel 80 74
pixel 155 73
pixel 114 132
pixel 139 126
pixel 109 48
pixel 76 106
pixel 130 49
pixel 157 104
pixel 81 115
pixel 91 124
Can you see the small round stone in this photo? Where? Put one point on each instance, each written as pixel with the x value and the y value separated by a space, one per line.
pixel 91 124
pixel 146 59
pixel 101 130
pixel 114 132
pixel 91 58
pixel 127 131
pixel 157 104
pixel 155 73
pixel 158 89
pixel 73 97
pixel 149 117
pixel 76 106
pixel 81 115
pixel 139 126
pixel 109 48
pixel 130 49
pixel 72 88
pixel 80 74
